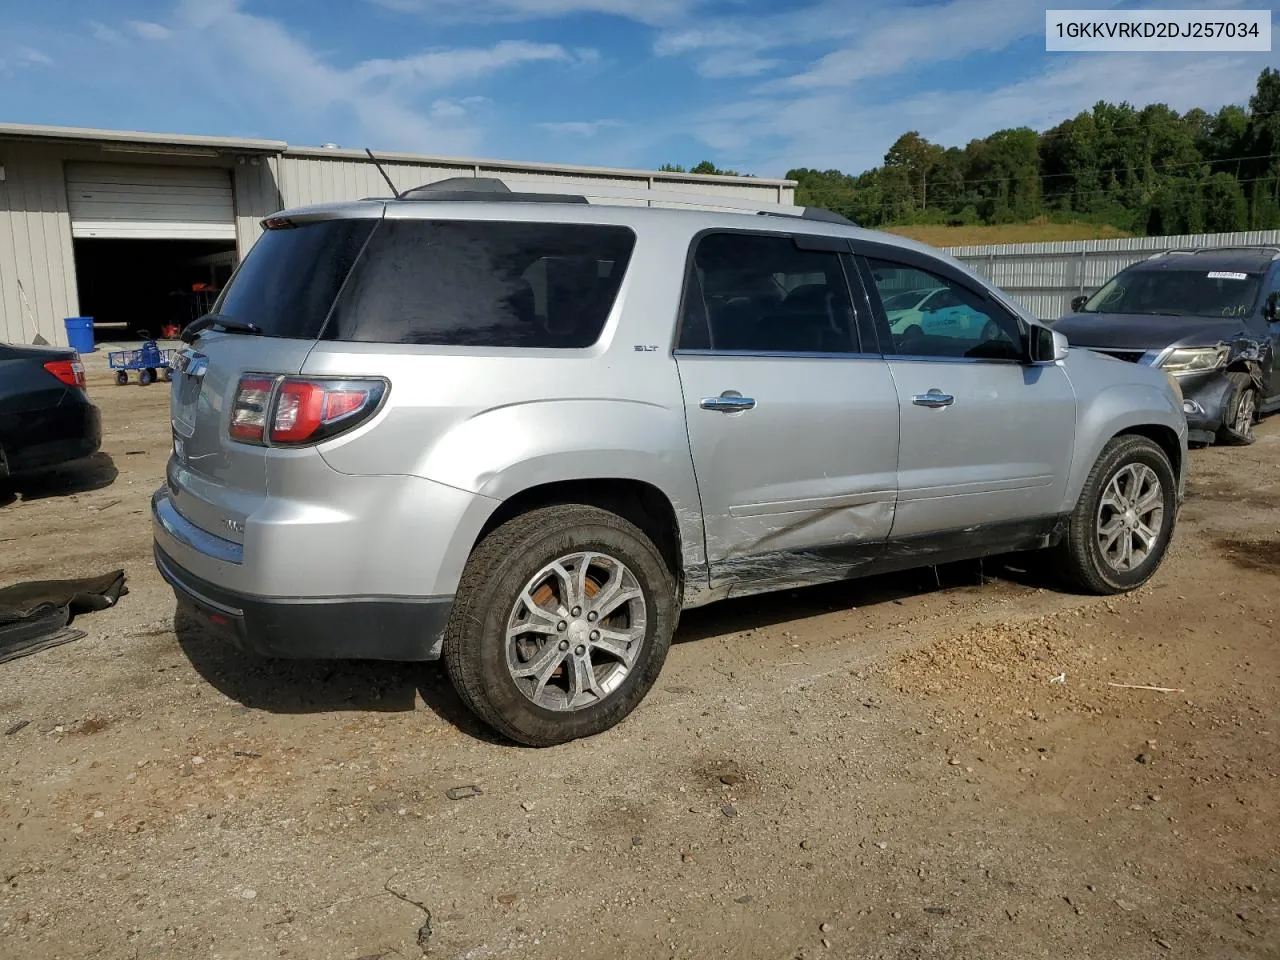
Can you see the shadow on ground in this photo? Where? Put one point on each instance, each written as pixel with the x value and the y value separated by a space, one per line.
pixel 78 476
pixel 322 686
pixel 771 609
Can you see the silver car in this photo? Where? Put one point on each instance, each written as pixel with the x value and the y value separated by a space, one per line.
pixel 523 432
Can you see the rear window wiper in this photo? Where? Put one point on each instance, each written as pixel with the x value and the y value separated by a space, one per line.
pixel 220 321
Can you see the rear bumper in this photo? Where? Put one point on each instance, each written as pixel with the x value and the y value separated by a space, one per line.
pixel 308 628
pixel 57 435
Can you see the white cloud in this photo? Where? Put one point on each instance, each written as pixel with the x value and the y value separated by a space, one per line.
pixel 579 128
pixel 448 109
pixel 931 34
pixel 733 64
pixel 233 56
pixel 437 68
pixel 653 12
pixel 862 40
pixel 104 33
pixel 150 31
pixel 32 55
pixel 840 128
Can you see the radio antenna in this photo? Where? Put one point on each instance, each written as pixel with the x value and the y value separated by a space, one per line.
pixel 394 191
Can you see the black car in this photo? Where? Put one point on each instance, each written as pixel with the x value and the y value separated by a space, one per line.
pixel 45 415
pixel 1209 317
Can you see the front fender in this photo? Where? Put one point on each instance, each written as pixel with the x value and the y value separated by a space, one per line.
pixel 1119 409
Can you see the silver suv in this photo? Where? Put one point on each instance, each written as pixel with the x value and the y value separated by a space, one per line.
pixel 523 432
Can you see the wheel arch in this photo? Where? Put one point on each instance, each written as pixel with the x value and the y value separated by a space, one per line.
pixel 1129 409
pixel 637 501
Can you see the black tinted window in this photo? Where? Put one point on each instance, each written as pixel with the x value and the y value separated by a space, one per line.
pixel 482 283
pixel 952 322
pixel 755 293
pixel 1202 293
pixel 288 282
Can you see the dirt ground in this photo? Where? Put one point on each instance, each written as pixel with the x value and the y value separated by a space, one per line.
pixel 881 769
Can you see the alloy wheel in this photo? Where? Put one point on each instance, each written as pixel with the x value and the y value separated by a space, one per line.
pixel 1130 517
pixel 575 631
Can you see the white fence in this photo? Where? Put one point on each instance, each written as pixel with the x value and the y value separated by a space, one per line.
pixel 1045 276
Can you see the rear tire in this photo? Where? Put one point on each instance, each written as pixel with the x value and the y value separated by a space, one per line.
pixel 1129 497
pixel 1241 412
pixel 121 378
pixel 485 646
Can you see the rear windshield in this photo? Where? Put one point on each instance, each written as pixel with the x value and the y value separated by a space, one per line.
pixel 287 283
pixel 1200 293
pixel 483 283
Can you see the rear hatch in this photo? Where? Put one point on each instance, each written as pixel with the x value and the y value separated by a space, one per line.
pixel 285 289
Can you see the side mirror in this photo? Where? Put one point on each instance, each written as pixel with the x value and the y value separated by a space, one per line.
pixel 1045 346
pixel 1078 302
pixel 1271 309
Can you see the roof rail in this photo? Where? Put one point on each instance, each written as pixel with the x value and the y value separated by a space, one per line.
pixel 489 189
pixel 494 190
pixel 821 214
pixel 1260 247
pixel 1191 251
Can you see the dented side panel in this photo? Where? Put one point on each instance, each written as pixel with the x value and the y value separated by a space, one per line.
pixel 814 462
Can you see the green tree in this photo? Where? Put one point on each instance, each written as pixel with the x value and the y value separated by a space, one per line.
pixel 1225 208
pixel 910 161
pixel 1137 168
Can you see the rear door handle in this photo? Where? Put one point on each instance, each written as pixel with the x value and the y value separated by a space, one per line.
pixel 934 398
pixel 728 402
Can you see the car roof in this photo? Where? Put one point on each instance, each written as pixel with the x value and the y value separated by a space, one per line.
pixel 701 213
pixel 1249 259
pixel 685 221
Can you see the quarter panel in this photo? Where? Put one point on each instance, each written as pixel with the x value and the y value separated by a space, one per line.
pixel 494 421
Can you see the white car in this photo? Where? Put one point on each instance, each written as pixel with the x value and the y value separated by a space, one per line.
pixel 936 311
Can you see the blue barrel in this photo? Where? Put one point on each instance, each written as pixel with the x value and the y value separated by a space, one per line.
pixel 80 334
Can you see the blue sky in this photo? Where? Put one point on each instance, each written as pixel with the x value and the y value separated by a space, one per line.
pixel 750 84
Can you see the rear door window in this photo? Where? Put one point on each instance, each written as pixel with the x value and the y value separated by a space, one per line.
pixel 484 284
pixel 290 278
pixel 763 294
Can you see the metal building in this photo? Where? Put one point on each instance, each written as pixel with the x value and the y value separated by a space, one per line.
pixel 137 229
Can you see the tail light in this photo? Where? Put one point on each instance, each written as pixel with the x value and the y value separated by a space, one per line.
pixel 70 372
pixel 295 410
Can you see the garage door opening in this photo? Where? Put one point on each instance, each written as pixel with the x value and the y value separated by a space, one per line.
pixel 154 243
pixel 129 286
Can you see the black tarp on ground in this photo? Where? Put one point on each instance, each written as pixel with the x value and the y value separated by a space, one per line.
pixel 35 615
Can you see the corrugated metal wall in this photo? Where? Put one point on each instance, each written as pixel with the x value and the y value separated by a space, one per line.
pixel 1045 276
pixel 308 178
pixel 37 268
pixel 257 196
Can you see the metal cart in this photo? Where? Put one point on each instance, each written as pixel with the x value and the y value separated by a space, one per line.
pixel 150 361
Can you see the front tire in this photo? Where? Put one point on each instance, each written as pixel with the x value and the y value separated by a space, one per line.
pixel 1241 412
pixel 1123 522
pixel 561 624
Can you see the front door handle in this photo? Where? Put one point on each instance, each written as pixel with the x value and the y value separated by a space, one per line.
pixel 934 398
pixel 728 402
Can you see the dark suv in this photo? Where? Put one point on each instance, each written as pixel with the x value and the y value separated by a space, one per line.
pixel 1210 317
